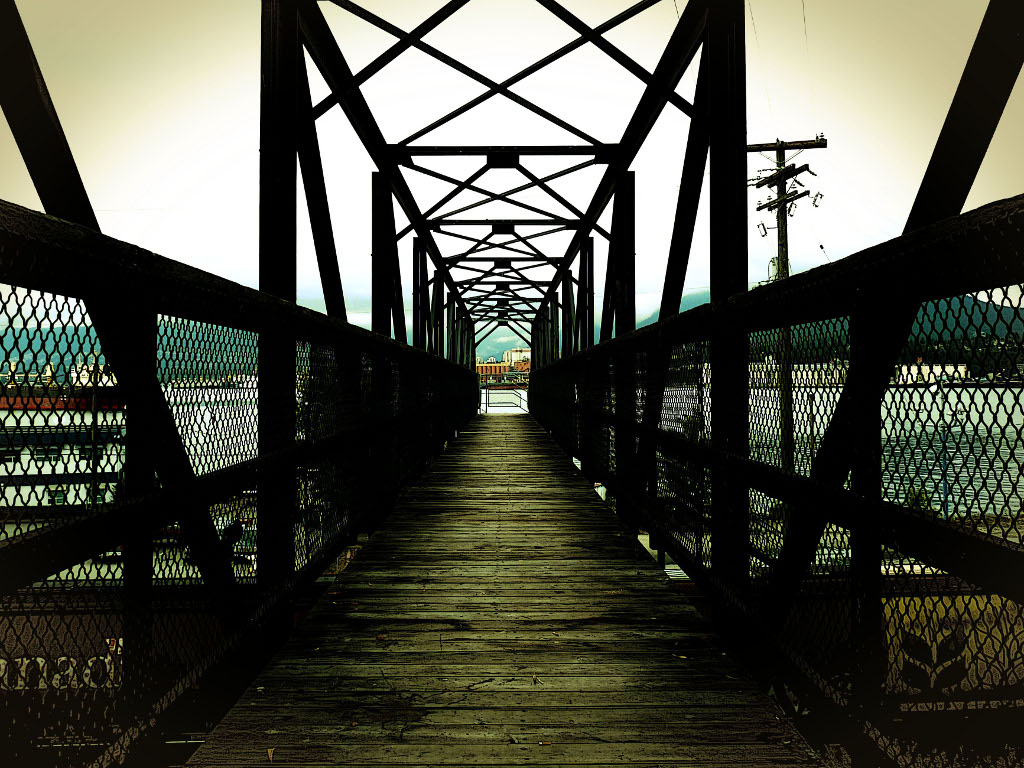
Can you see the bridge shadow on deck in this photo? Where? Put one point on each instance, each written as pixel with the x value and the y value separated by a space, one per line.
pixel 504 616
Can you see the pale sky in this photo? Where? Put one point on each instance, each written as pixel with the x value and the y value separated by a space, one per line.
pixel 160 103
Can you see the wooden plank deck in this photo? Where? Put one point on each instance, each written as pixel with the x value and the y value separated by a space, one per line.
pixel 503 617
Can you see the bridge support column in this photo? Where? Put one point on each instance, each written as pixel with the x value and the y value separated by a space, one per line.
pixel 568 317
pixel 388 309
pixel 140 466
pixel 626 480
pixel 868 643
pixel 437 318
pixel 730 539
pixel 450 335
pixel 585 297
pixel 620 279
pixel 420 296
pixel 555 313
pixel 277 228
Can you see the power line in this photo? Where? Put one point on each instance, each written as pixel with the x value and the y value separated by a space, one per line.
pixel 760 58
pixel 807 59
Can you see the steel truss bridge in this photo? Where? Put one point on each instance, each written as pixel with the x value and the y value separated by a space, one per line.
pixel 860 551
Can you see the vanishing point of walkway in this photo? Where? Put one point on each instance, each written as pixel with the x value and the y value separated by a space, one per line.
pixel 503 616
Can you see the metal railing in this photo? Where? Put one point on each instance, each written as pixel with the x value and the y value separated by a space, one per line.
pixel 504 399
pixel 856 520
pixel 159 500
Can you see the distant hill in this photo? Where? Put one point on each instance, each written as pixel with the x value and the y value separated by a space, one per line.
pixel 974 324
pixel 978 327
pixel 195 352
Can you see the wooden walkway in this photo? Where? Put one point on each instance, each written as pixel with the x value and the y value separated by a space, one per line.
pixel 503 617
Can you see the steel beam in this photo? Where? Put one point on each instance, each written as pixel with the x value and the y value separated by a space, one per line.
pixel 392 53
pixel 730 522
pixel 599 41
pixel 316 197
pixel 388 309
pixel 602 153
pixel 462 69
pixel 467 185
pixel 37 131
pixel 535 67
pixel 543 185
pixel 568 320
pixel 505 196
pixel 420 296
pixel 690 184
pixel 329 60
pixel 680 50
pixel 624 232
pixel 459 260
pixel 436 224
pixel 279 83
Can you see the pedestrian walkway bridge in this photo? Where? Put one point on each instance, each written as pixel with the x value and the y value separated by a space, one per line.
pixel 503 616
pixel 834 459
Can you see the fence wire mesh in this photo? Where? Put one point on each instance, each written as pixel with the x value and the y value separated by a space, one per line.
pixel 877 604
pixel 154 575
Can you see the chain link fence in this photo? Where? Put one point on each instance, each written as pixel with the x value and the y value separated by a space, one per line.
pixel 837 458
pixel 133 546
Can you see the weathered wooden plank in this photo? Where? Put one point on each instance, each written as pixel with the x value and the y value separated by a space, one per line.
pixel 532 753
pixel 503 616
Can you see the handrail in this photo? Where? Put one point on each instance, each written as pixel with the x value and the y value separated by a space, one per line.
pixel 369 413
pixel 895 577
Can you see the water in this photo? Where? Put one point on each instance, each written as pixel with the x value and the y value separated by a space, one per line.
pixel 960 446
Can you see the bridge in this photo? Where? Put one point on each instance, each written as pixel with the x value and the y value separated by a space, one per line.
pixel 237 531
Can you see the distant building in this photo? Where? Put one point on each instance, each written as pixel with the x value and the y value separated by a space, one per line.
pixel 59 445
pixel 62 444
pixel 504 372
pixel 516 355
pixel 766 374
pixel 930 373
pixel 492 359
pixel 86 375
pixel 492 371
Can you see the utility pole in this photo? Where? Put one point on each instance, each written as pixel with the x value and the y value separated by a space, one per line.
pixel 780 180
pixel 780 204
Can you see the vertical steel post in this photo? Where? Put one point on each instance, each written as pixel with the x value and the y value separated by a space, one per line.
pixel 623 291
pixel 579 324
pixel 277 276
pixel 626 475
pixel 450 334
pixel 439 297
pixel 398 301
pixel 588 262
pixel 568 319
pixel 624 234
pixel 730 538
pixel 868 643
pixel 534 345
pixel 420 301
pixel 382 288
pixel 556 314
pixel 139 472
